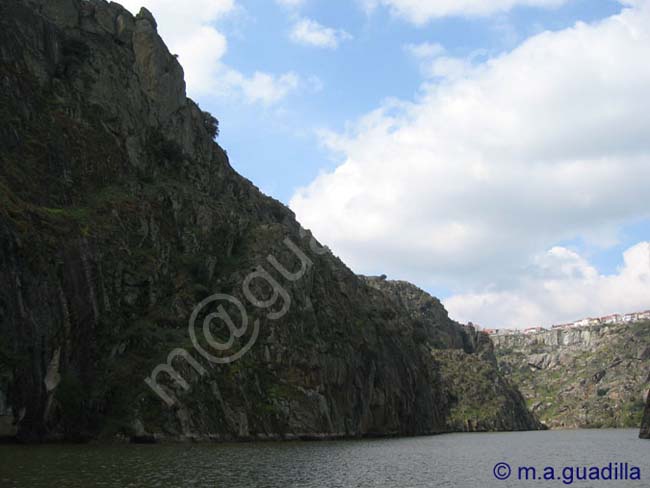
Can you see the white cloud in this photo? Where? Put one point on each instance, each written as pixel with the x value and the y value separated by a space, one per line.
pixel 311 33
pixel 189 32
pixel 496 162
pixel 264 88
pixel 421 11
pixel 200 54
pixel 424 50
pixel 433 63
pixel 560 287
pixel 448 67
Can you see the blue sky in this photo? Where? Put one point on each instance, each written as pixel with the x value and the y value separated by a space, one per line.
pixel 494 153
pixel 356 77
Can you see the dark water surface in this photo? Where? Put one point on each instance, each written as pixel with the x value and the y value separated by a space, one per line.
pixel 457 460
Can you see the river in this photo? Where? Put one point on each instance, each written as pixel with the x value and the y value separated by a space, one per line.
pixel 454 460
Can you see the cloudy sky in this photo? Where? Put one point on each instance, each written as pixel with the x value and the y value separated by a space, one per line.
pixel 496 153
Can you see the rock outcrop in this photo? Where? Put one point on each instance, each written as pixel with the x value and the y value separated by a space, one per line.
pixel 119 214
pixel 582 377
pixel 645 421
pixel 480 397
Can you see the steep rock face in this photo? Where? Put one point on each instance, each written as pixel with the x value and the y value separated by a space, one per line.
pixel 645 421
pixel 119 215
pixel 582 377
pixel 480 397
pixel 429 315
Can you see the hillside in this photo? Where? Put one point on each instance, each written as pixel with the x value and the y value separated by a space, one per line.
pixel 120 216
pixel 582 377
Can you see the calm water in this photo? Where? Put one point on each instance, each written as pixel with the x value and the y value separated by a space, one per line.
pixel 458 460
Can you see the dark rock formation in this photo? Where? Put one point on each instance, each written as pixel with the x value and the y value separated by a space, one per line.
pixel 645 421
pixel 119 214
pixel 480 397
pixel 581 378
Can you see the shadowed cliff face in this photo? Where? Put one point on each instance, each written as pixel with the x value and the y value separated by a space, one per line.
pixel 645 422
pixel 584 377
pixel 480 397
pixel 119 214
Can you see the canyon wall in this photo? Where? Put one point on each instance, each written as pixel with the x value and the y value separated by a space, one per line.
pixel 581 377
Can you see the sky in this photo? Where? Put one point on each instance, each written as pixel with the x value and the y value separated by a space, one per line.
pixel 495 153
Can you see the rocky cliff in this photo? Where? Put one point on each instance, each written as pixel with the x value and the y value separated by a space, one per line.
pixel 121 218
pixel 645 421
pixel 480 397
pixel 583 377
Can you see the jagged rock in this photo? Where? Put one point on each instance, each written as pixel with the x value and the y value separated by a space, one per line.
pixel 147 16
pixel 645 421
pixel 160 73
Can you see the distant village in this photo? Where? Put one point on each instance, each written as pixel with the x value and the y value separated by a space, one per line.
pixel 628 318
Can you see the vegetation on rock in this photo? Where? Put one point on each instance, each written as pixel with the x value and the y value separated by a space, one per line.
pixel 581 378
